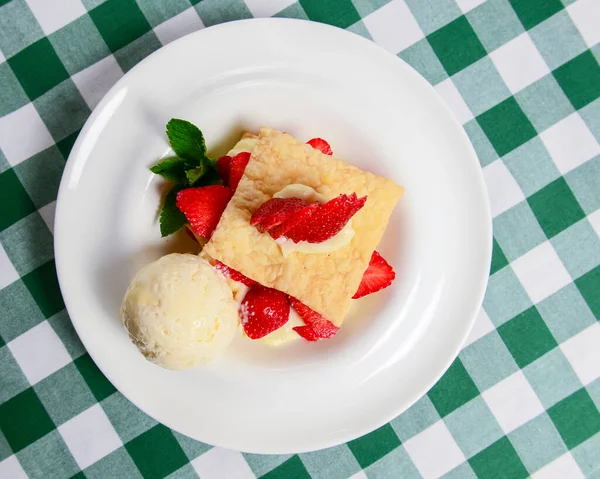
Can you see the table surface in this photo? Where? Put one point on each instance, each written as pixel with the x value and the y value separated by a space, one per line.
pixel 523 397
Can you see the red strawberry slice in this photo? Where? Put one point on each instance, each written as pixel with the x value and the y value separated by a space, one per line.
pixel 379 275
pixel 233 274
pixel 275 211
pixel 328 220
pixel 292 219
pixel 223 165
pixel 236 168
pixel 306 332
pixel 320 144
pixel 203 207
pixel 322 327
pixel 263 310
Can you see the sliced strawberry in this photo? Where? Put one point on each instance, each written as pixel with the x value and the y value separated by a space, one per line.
pixel 379 275
pixel 328 220
pixel 263 310
pixel 236 168
pixel 203 207
pixel 275 211
pixel 306 332
pixel 322 327
pixel 320 144
pixel 223 165
pixel 233 274
pixel 292 219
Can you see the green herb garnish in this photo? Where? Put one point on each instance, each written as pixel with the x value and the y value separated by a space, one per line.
pixel 186 140
pixel 171 218
pixel 173 168
pixel 191 167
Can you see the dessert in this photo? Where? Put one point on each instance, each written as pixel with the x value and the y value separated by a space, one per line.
pixel 179 311
pixel 324 282
pixel 288 233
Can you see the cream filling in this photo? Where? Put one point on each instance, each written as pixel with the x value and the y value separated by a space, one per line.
pixel 334 243
pixel 246 144
pixel 285 334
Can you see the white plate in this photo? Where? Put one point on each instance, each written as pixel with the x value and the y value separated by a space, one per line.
pixel 309 80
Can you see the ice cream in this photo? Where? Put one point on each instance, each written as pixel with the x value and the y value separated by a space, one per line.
pixel 179 311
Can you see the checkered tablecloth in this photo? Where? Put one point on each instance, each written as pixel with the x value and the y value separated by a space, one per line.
pixel 523 397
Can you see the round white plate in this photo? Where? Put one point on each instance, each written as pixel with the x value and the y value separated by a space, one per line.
pixel 309 80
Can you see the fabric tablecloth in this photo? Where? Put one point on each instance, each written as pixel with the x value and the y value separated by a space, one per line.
pixel 523 78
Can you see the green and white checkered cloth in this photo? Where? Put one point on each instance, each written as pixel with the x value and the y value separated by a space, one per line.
pixel 524 395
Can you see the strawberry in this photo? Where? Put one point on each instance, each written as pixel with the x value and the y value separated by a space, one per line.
pixel 203 207
pixel 223 165
pixel 328 220
pixel 292 219
pixel 263 310
pixel 233 274
pixel 237 166
pixel 321 327
pixel 275 211
pixel 306 332
pixel 320 144
pixel 379 275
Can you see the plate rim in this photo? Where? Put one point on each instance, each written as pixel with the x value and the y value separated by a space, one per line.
pixel 487 235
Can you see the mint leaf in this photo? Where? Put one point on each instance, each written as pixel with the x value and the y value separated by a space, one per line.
pixel 195 174
pixel 204 175
pixel 211 177
pixel 171 217
pixel 186 140
pixel 172 169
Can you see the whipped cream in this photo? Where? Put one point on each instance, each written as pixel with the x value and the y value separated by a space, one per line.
pixel 286 333
pixel 245 145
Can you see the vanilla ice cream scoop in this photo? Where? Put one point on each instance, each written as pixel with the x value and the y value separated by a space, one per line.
pixel 179 311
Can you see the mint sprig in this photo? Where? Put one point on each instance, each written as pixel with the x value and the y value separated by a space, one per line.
pixel 195 174
pixel 186 140
pixel 173 168
pixel 171 217
pixel 191 167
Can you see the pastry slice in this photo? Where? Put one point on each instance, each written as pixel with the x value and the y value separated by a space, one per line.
pixel 323 282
